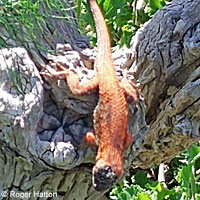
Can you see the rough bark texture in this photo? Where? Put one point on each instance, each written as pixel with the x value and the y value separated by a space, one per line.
pixel 167 67
pixel 42 125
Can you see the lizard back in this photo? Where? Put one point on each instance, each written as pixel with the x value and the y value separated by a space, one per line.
pixel 111 115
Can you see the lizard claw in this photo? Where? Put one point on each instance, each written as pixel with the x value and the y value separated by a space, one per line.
pixel 52 72
pixel 49 71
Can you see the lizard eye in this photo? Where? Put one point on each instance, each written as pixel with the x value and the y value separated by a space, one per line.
pixel 103 177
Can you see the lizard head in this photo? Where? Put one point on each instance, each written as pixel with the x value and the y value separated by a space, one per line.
pixel 105 173
pixel 103 177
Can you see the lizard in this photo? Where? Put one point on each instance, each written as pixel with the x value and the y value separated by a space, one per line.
pixel 111 113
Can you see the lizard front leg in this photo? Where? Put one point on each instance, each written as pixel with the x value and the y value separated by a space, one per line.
pixel 72 80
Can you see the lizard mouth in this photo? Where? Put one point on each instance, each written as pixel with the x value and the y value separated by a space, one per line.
pixel 103 177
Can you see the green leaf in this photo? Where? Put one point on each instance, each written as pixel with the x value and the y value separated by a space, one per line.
pixel 110 7
pixel 122 196
pixel 127 194
pixel 157 3
pixel 197 197
pixel 186 174
pixel 143 196
pixel 193 151
pixel 141 179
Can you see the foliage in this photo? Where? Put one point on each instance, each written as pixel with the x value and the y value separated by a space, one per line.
pixel 143 190
pixel 184 183
pixel 123 17
pixel 23 21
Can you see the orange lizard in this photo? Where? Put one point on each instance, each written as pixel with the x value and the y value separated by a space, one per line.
pixel 111 114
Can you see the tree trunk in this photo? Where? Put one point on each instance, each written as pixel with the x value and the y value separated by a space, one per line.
pixel 42 125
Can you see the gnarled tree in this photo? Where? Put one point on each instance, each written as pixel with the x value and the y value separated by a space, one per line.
pixel 42 124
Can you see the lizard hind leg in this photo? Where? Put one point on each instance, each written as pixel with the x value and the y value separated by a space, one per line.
pixel 128 140
pixel 130 91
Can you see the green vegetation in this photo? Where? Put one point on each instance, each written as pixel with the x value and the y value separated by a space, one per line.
pixel 123 17
pixel 14 15
pixel 23 22
pixel 183 184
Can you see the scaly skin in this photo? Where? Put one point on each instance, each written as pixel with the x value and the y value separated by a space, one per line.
pixel 111 114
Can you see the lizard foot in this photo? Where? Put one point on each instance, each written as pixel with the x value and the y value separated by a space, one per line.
pixel 90 138
pixel 130 91
pixel 52 72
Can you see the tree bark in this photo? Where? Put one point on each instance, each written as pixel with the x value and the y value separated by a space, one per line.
pixel 42 124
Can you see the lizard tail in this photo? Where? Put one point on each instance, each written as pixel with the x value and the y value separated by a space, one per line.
pixel 103 37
